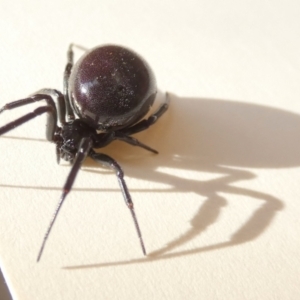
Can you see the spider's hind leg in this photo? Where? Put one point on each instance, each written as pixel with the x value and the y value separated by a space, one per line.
pixel 134 142
pixel 123 134
pixel 146 123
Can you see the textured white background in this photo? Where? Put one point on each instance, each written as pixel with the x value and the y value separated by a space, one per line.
pixel 218 207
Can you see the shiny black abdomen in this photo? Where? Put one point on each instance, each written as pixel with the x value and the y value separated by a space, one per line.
pixel 111 87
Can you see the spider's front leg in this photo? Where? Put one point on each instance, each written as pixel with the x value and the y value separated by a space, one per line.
pixel 82 153
pixel 112 164
pixel 67 73
pixel 53 113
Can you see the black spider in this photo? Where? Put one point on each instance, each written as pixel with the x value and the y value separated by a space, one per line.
pixel 110 89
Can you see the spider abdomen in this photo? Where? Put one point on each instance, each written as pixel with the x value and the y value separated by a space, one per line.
pixel 111 87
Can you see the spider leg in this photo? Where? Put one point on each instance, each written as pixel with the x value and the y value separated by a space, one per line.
pixel 50 94
pixel 51 123
pixel 82 153
pixel 111 163
pixel 146 123
pixel 67 73
pixel 134 142
pixel 55 111
pixel 44 94
pixel 103 139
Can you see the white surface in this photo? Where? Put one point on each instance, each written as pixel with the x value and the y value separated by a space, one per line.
pixel 218 207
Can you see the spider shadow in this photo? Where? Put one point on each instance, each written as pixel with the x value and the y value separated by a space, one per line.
pixel 218 137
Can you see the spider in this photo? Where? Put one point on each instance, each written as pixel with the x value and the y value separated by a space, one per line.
pixel 106 94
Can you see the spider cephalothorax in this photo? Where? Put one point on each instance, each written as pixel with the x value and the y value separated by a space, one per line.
pixel 70 136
